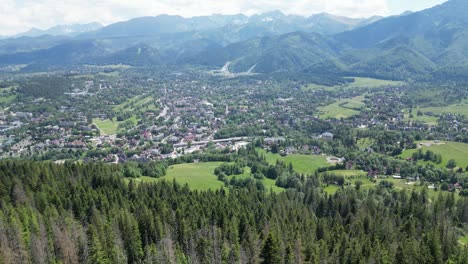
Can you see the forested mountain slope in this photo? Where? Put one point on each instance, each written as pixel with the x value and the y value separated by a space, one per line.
pixel 88 214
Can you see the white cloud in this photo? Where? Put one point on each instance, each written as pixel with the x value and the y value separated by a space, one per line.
pixel 20 15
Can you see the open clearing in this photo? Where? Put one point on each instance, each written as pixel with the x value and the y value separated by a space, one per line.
pixel 306 164
pixel 106 126
pixel 359 82
pixel 347 173
pixel 200 176
pixel 461 108
pixel 429 114
pixel 448 150
pixel 398 184
pixel 7 99
pixel 137 103
pixel 111 127
pixel 137 106
pixel 371 82
pixel 430 120
pixel 342 108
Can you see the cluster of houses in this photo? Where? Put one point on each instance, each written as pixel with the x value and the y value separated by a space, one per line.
pixel 187 120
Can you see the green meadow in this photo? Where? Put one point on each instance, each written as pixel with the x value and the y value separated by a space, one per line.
pixel 351 177
pixel 430 120
pixel 460 108
pixel 448 150
pixel 347 173
pixel 136 105
pixel 106 126
pixel 7 99
pixel 373 83
pixel 359 82
pixel 200 176
pixel 306 164
pixel 343 108
pixel 111 127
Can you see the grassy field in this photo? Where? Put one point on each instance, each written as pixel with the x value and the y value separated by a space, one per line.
pixel 7 89
pixel 347 173
pixel 448 150
pixel 359 82
pixel 403 184
pixel 199 176
pixel 306 164
pixel 351 176
pixel 461 108
pixel 111 127
pixel 430 120
pixel 331 189
pixel 342 108
pixel 137 105
pixel 372 83
pixel 7 99
pixel 106 126
pixel 133 103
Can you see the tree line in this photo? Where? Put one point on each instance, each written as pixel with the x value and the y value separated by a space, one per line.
pixel 88 213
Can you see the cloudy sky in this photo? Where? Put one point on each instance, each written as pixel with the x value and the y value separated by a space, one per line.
pixel 20 15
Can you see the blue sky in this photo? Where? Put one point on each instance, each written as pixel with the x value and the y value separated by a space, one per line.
pixel 20 15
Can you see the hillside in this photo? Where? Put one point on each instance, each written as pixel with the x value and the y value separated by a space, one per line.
pixel 400 47
pixel 86 213
pixel 75 52
pixel 431 44
pixel 439 24
pixel 290 52
pixel 138 55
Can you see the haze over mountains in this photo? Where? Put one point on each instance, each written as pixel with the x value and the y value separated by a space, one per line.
pixel 61 30
pixel 430 42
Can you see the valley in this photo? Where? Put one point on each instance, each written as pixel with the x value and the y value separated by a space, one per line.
pixel 260 138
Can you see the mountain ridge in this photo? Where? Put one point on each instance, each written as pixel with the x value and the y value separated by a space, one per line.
pixel 409 45
pixel 59 30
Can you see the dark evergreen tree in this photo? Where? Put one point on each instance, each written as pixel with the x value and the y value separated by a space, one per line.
pixel 271 251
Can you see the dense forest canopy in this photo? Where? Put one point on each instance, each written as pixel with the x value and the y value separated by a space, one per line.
pixel 87 213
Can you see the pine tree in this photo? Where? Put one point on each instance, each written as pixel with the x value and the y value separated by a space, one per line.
pixel 271 251
pixel 289 256
pixel 96 251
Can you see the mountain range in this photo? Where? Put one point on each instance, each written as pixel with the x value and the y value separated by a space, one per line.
pixel 432 42
pixel 60 30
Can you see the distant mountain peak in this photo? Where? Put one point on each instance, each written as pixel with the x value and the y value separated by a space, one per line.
pixel 407 12
pixel 59 30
